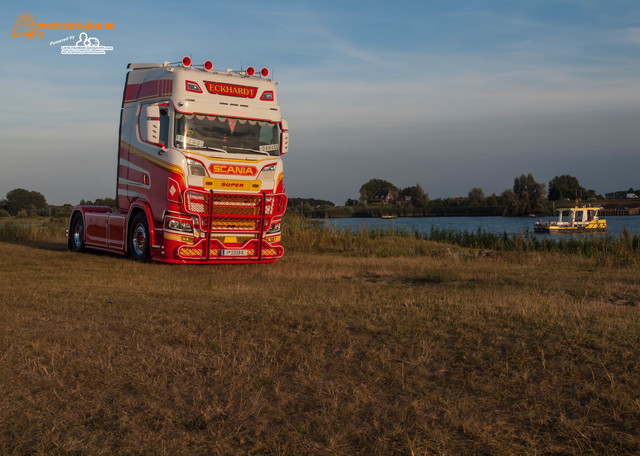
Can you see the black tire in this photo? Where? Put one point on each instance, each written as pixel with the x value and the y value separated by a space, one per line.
pixel 76 234
pixel 139 238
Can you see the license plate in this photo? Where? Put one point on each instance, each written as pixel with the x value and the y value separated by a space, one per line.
pixel 235 253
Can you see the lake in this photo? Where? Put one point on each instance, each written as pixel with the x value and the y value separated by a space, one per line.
pixel 498 225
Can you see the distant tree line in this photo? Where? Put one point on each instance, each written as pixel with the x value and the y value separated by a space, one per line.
pixel 526 196
pixel 371 191
pixel 111 202
pixel 379 197
pixel 308 206
pixel 28 203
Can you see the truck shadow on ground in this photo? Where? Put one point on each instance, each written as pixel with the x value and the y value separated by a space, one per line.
pixel 54 246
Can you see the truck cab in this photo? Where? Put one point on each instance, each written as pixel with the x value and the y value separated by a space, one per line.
pixel 200 173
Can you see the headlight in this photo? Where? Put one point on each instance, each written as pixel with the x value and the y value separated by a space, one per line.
pixel 196 168
pixel 274 229
pixel 178 225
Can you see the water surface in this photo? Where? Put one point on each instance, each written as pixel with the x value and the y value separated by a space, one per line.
pixel 497 225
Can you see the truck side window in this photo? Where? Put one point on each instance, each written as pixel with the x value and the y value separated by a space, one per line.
pixel 154 123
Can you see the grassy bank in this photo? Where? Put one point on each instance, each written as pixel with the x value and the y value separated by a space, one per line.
pixel 304 236
pixel 351 344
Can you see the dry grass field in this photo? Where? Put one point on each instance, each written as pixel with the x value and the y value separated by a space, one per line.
pixel 437 350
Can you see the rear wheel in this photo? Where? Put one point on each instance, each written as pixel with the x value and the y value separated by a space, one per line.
pixel 139 238
pixel 76 241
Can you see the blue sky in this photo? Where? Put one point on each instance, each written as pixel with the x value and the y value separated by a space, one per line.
pixel 451 95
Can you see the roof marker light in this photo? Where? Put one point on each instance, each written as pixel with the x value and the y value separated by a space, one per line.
pixel 193 87
pixel 251 71
pixel 208 65
pixel 186 61
pixel 264 72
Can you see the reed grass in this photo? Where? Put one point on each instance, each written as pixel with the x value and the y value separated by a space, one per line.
pixel 27 230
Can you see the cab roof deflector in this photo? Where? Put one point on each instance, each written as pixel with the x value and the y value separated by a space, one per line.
pixel 142 66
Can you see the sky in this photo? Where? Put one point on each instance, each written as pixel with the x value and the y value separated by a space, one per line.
pixel 450 95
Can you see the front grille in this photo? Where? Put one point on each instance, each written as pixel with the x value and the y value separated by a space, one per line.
pixel 234 224
pixel 236 204
pixel 236 212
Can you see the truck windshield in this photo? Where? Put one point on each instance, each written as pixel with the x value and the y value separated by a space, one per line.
pixel 226 134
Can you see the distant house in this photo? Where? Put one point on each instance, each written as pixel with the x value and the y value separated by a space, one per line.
pixel 402 200
pixel 382 197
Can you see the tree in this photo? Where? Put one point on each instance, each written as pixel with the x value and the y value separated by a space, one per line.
pixel 32 202
pixel 567 186
pixel 418 196
pixel 311 202
pixel 374 186
pixel 476 197
pixel 527 196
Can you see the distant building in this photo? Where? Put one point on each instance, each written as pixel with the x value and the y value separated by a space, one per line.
pixel 402 200
pixel 623 194
pixel 382 197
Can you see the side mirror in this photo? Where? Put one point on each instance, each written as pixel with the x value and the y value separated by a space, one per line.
pixel 150 124
pixel 284 137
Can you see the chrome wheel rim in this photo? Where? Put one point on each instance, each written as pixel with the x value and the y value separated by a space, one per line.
pixel 139 239
pixel 77 234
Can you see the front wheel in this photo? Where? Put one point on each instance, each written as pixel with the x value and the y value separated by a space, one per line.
pixel 139 238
